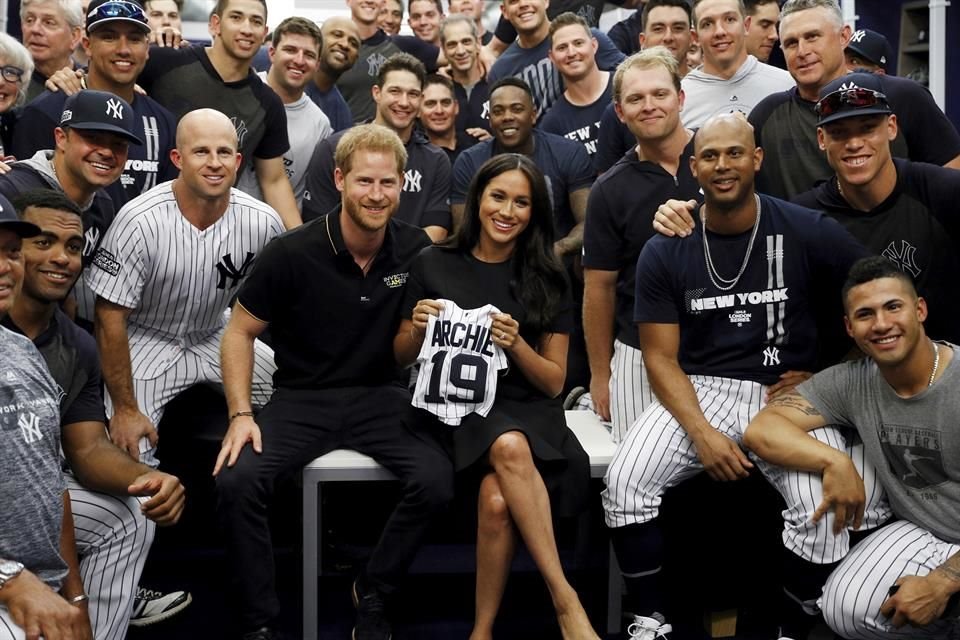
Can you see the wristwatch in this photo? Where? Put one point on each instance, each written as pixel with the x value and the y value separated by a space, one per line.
pixel 9 569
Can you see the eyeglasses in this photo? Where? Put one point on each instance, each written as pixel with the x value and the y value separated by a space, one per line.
pixel 855 98
pixel 11 73
pixel 117 9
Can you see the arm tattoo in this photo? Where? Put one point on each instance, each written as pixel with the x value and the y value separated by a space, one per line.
pixel 794 400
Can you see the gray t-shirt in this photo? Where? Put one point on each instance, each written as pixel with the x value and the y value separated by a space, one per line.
pixel 913 442
pixel 31 482
pixel 307 125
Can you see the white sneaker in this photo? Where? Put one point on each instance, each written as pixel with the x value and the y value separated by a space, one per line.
pixel 644 628
pixel 150 607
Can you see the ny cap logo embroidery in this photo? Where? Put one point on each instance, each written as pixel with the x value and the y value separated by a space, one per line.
pixel 115 109
pixel 846 86
pixel 858 35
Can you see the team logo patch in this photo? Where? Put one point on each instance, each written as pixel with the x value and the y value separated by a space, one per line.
pixel 914 455
pixel 227 270
pixel 904 255
pixel 740 317
pixel 771 356
pixel 105 260
pixel 395 280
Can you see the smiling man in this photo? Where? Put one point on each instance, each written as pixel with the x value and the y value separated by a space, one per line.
pixel 438 117
pixel 117 44
pixel 896 208
pixel 330 394
pixel 90 153
pixel 587 90
pixel 340 42
pixel 461 45
pixel 426 185
pixel 727 318
pixel 730 78
pixel 163 285
pixel 764 18
pixel 425 18
pixel 294 56
pixel 813 37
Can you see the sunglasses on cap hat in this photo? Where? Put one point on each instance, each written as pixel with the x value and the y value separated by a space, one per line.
pixel 850 99
pixel 117 10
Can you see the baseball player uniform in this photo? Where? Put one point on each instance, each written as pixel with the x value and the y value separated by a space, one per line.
pixel 737 336
pixel 910 443
pixel 179 282
pixel 459 363
pixel 619 222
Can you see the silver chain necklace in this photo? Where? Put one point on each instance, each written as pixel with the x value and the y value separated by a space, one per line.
pixel 715 276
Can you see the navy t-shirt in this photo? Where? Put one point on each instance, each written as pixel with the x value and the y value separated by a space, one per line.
pixel 564 163
pixel 333 106
pixel 424 201
pixel 626 33
pixel 535 68
pixel 916 228
pixel 580 124
pixel 767 323
pixel 147 165
pixel 620 221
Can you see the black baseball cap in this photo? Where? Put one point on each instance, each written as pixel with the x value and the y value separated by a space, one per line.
pixel 9 220
pixel 855 94
pixel 99 111
pixel 871 46
pixel 101 12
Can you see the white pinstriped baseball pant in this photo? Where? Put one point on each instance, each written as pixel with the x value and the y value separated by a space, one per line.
pixel 657 454
pixel 198 364
pixel 113 539
pixel 856 589
pixel 630 391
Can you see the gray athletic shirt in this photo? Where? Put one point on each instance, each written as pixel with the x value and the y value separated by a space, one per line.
pixel 31 482
pixel 913 442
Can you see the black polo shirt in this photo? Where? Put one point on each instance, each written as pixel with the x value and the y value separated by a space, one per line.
pixel 331 325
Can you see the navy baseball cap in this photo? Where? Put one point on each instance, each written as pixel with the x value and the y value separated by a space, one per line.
pixel 101 12
pixel 9 220
pixel 871 46
pixel 91 110
pixel 855 94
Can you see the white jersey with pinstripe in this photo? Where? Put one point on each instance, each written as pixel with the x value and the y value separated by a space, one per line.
pixel 459 364
pixel 178 281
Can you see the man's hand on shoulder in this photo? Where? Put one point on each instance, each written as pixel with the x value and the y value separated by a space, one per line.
pixel 675 218
pixel 42 612
pixel 167 496
pixel 66 80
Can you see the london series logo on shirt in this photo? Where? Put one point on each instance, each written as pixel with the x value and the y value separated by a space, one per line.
pixel 740 317
pixel 106 261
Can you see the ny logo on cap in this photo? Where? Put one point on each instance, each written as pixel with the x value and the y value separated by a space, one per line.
pixel 115 109
pixel 858 35
pixel 66 116
pixel 846 86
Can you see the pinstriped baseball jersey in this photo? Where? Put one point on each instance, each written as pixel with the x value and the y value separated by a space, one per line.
pixel 459 364
pixel 177 279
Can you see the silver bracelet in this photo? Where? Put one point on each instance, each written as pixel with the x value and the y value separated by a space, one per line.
pixel 78 599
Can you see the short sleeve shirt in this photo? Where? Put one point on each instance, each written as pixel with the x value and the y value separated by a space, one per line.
pixel 766 323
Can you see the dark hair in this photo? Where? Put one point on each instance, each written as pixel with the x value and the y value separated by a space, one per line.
pixel 567 19
pixel 146 4
pixel 873 268
pixel 538 281
pixel 222 5
pixel 297 26
pixel 402 62
pixel 653 4
pixel 443 81
pixel 512 81
pixel 45 199
pixel 751 5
